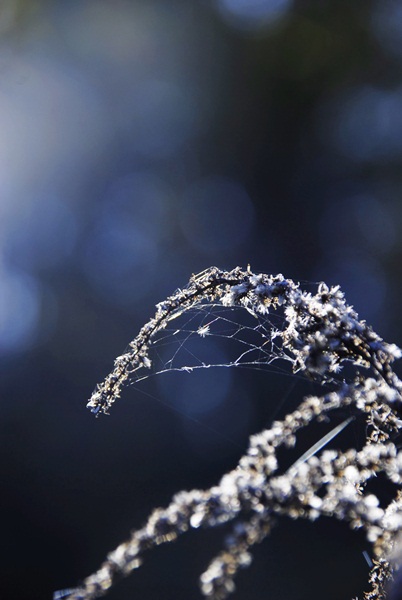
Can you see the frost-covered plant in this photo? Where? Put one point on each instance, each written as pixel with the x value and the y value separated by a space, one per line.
pixel 320 332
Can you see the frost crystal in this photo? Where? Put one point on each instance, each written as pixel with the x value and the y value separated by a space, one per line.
pixel 320 333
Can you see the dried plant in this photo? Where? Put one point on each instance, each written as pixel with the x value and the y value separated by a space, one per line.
pixel 320 333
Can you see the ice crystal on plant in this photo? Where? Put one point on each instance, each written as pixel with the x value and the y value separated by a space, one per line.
pixel 320 333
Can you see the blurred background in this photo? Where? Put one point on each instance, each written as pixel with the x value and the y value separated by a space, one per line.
pixel 140 142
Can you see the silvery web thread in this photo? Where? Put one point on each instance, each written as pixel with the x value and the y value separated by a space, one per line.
pixel 255 344
pixel 320 333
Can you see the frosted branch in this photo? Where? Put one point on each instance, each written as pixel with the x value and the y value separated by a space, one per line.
pixel 320 333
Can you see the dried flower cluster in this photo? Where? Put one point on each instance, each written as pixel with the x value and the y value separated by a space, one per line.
pixel 320 333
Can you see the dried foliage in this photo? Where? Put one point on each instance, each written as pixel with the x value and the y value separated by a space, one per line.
pixel 320 334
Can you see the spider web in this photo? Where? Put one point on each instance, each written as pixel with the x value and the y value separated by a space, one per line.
pixel 244 339
pixel 195 357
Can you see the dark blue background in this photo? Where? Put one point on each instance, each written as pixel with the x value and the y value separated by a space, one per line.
pixel 141 142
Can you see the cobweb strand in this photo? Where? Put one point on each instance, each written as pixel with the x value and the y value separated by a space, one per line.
pixel 319 331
